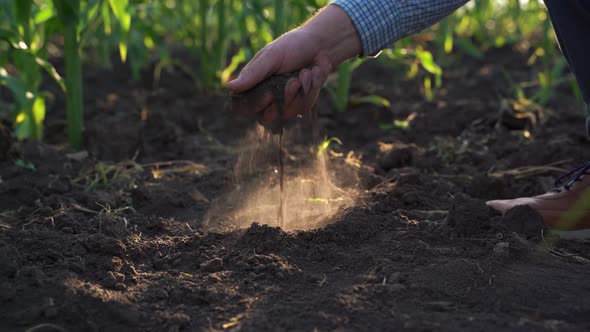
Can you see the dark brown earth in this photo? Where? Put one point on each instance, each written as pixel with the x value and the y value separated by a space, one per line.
pixel 115 240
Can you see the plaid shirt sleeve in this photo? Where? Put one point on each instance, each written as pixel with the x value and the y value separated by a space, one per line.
pixel 381 22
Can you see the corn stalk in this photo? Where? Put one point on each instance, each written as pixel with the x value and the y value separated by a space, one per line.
pixel 69 15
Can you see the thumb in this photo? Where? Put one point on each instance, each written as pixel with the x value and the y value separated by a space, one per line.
pixel 235 84
pixel 260 67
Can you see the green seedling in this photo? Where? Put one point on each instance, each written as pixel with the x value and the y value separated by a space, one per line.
pixel 25 164
pixel 323 147
pixel 371 100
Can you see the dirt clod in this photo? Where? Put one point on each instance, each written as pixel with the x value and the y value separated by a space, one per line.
pixel 518 244
pixel 213 265
pixel 526 221
pixel 9 260
pixel 469 216
pixel 114 279
pixel 501 248
pixel 398 155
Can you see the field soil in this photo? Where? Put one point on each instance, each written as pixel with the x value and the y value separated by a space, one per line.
pixel 139 232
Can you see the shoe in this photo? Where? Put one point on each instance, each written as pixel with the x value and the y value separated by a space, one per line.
pixel 567 207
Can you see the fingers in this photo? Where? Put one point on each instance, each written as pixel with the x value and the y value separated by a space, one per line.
pixel 294 95
pixel 318 75
pixel 264 63
pixel 302 93
pixel 305 78
pixel 292 90
pixel 291 103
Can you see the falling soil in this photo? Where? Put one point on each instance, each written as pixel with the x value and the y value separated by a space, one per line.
pixel 275 86
pixel 260 141
pixel 281 213
pixel 168 221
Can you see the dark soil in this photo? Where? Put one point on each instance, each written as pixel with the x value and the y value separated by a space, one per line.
pixel 115 240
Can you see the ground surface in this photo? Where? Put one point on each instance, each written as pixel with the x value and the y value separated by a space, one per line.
pixel 121 245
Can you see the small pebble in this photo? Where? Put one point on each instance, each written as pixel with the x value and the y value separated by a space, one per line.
pixel 396 287
pixel 501 248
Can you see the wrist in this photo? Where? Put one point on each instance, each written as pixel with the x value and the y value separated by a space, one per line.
pixel 335 34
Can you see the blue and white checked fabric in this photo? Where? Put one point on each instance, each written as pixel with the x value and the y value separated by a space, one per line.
pixel 381 22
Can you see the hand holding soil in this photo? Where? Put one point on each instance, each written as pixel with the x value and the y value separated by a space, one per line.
pixel 270 93
pixel 312 51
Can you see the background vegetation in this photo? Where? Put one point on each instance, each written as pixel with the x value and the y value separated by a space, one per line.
pixel 223 34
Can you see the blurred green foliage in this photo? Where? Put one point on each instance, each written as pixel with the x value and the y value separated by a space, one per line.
pixel 223 34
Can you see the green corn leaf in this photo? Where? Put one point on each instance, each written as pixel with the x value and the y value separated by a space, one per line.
pixel 427 61
pixel 52 27
pixel 39 114
pixel 106 17
pixel 120 9
pixel 448 43
pixel 25 120
pixel 341 94
pixel 8 35
pixel 8 11
pixel 92 10
pixel 16 86
pixel 48 67
pixel 22 11
pixel 428 88
pixel 236 60
pixel 558 69
pixel 90 14
pixel 44 14
pixel 469 48
pixel 355 63
pixel 68 11
pixel 13 39
pixel 52 72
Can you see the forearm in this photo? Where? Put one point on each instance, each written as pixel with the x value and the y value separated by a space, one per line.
pixel 381 22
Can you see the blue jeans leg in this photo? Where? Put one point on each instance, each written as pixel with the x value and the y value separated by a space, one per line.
pixel 571 22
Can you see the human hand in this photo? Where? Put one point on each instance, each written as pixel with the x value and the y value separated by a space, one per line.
pixel 313 49
pixel 294 51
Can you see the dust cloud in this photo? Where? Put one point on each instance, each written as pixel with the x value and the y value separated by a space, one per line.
pixel 310 194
